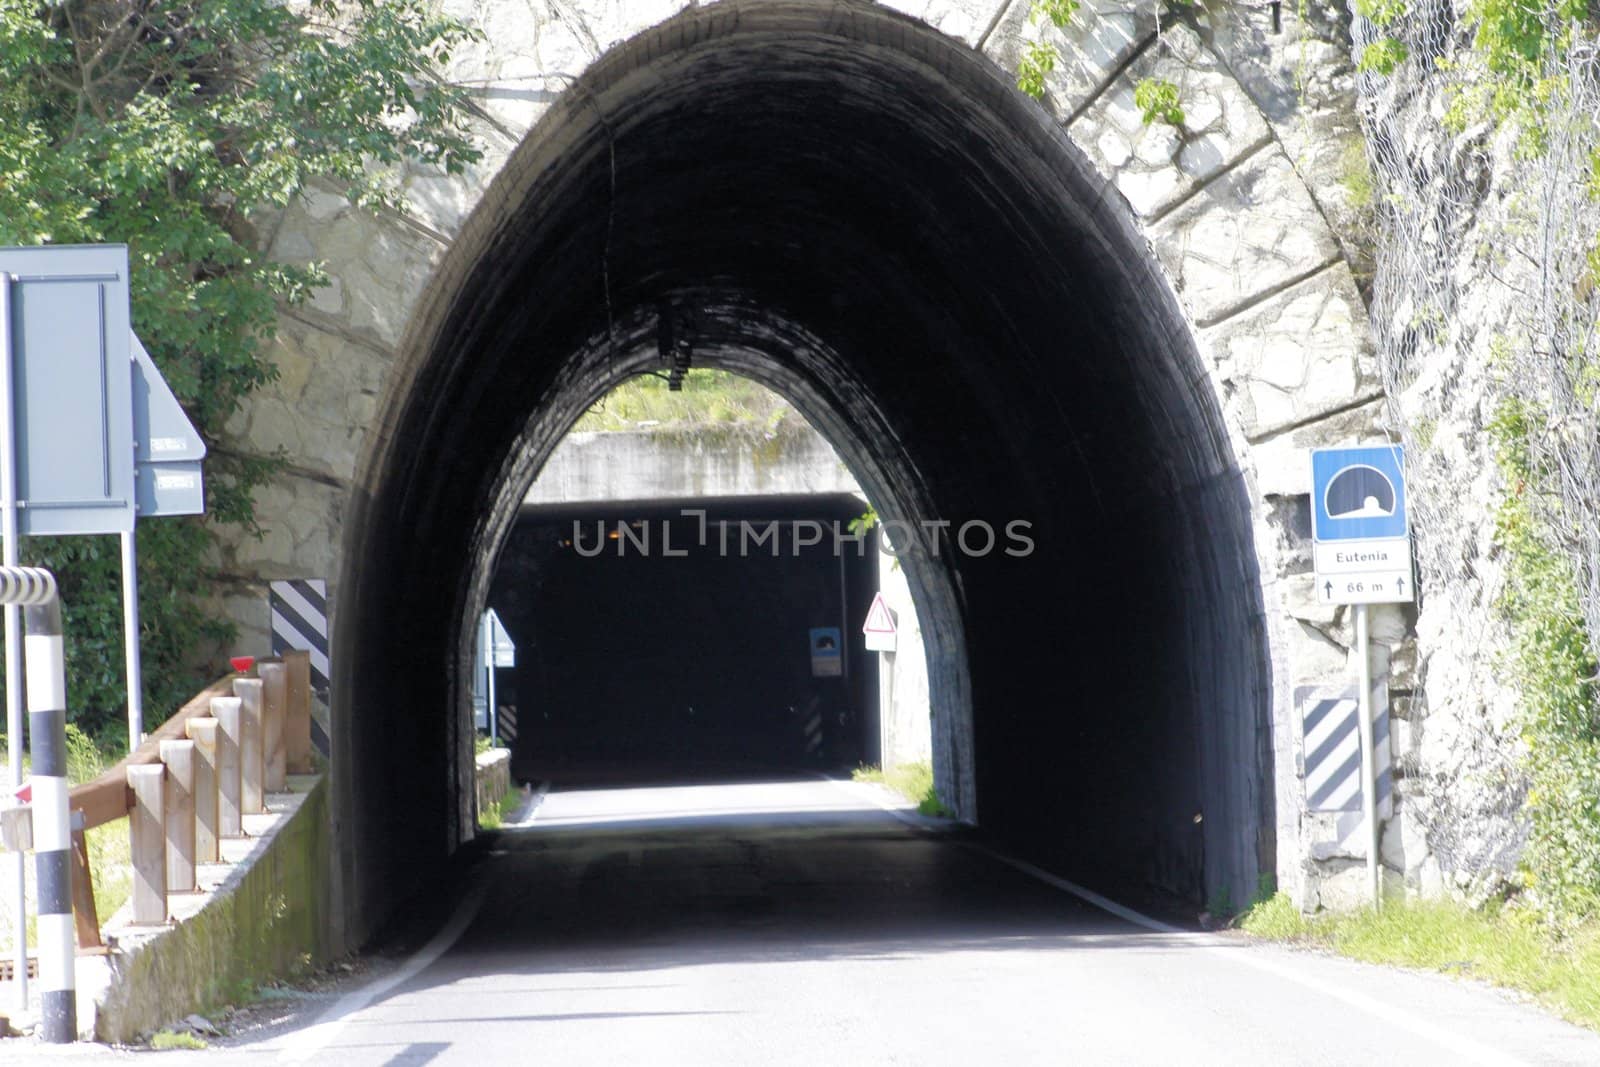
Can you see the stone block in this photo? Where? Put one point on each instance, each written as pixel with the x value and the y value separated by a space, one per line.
pixel 1099 39
pixel 1298 356
pixel 965 20
pixel 1282 461
pixel 1344 888
pixel 1155 165
pixel 1404 846
pixel 1242 237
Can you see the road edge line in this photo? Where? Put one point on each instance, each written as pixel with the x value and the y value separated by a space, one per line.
pixel 304 1044
pixel 1475 1051
pixel 865 790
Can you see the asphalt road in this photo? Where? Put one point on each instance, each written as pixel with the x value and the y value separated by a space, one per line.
pixel 801 923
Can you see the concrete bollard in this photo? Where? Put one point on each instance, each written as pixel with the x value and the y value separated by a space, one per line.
pixel 203 732
pixel 274 688
pixel 297 711
pixel 228 713
pixel 148 834
pixel 252 764
pixel 178 801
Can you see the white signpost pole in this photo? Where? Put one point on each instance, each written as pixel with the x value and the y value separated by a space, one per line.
pixel 489 695
pixel 13 633
pixel 130 639
pixel 1369 781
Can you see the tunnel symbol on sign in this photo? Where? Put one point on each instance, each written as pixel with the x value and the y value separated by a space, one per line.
pixel 1359 492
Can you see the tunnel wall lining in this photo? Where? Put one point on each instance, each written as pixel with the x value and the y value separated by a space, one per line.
pixel 1230 208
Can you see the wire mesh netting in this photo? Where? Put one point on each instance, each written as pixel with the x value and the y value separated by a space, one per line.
pixel 1485 295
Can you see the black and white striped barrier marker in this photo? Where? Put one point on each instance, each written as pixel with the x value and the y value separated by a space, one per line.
pixel 45 666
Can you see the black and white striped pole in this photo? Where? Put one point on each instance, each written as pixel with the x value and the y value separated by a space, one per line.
pixel 45 667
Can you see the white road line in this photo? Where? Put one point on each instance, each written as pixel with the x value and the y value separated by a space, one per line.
pixel 305 1044
pixel 1470 1051
pixel 528 812
pixel 865 791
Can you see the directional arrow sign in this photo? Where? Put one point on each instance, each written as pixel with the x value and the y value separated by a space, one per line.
pixel 1387 587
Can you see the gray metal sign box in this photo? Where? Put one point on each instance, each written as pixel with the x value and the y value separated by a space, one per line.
pixel 168 450
pixel 73 388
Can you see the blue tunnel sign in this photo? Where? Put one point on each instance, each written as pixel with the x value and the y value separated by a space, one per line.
pixel 1362 545
pixel 1358 493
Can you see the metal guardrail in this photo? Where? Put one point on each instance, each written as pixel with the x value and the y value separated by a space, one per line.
pixel 184 790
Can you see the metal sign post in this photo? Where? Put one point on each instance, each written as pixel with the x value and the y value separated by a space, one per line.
pixel 13 628
pixel 130 640
pixel 1369 780
pixel 488 665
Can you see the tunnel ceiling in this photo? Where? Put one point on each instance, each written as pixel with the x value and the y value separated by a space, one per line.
pixel 838 200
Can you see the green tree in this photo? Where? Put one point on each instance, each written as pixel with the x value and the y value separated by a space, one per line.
pixel 170 126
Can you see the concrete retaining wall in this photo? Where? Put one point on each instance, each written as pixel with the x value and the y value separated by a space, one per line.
pixel 270 918
pixel 493 778
pixel 670 464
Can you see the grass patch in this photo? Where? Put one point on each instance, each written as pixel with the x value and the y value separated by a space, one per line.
pixel 708 398
pixel 1276 918
pixel 914 781
pixel 168 1040
pixel 110 867
pixel 502 812
pixel 1506 945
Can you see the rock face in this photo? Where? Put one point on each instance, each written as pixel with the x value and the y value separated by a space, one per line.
pixel 1246 206
pixel 1446 294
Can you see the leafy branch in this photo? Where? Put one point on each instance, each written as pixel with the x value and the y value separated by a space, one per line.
pixel 171 126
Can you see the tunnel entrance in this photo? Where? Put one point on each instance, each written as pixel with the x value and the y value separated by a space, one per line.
pixel 703 638
pixel 842 204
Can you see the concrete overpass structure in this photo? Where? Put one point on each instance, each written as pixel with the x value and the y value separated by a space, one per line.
pixel 994 309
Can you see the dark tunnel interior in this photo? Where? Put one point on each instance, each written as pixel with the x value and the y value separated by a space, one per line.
pixel 839 202
pixel 689 640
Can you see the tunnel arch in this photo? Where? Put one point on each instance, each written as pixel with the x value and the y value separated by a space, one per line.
pixel 852 208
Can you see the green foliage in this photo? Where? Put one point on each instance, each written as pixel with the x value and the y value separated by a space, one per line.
pixel 170 126
pixel 168 1040
pixel 1040 57
pixel 1381 12
pixel 1509 34
pixel 709 398
pixel 84 761
pixel 1158 101
pixel 914 781
pixel 1383 56
pixel 1554 671
pixel 1355 175
pixel 1038 61
pixel 863 522
pixel 504 811
pixel 1275 917
pixel 1058 12
pixel 1503 944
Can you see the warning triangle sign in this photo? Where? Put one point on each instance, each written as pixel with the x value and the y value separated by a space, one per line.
pixel 880 620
